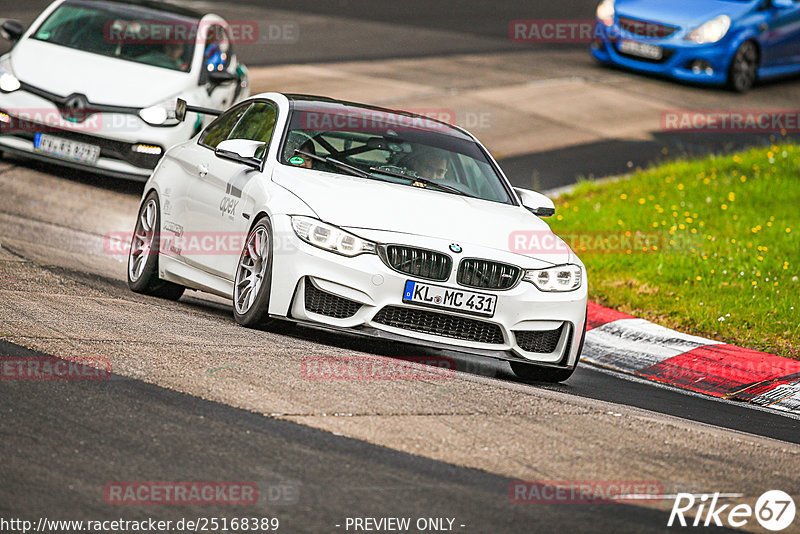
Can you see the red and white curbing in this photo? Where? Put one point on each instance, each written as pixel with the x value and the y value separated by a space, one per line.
pixel 623 343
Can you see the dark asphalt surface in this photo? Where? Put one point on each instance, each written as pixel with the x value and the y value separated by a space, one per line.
pixel 64 441
pixel 564 166
pixel 487 19
pixel 471 17
pixel 591 383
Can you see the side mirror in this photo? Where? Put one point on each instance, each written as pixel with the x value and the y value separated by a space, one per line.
pixel 12 30
pixel 782 4
pixel 244 151
pixel 536 203
pixel 180 109
pixel 219 77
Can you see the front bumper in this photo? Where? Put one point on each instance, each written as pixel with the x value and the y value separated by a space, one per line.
pixel 364 295
pixel 678 59
pixel 26 114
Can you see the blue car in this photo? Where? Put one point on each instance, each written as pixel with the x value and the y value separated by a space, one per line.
pixel 714 42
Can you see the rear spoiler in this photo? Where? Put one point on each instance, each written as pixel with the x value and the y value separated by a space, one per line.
pixel 181 107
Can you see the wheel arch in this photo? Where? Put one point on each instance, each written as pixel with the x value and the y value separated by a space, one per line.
pixel 741 39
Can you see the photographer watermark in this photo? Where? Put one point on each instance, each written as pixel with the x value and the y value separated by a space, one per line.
pixel 754 121
pixel 581 31
pixel 584 491
pixel 200 493
pixel 366 368
pixel 774 510
pixel 544 242
pixel 52 368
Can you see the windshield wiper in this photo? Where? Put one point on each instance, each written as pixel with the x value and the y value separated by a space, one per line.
pixel 422 181
pixel 350 169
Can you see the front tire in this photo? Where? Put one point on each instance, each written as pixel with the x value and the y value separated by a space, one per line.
pixel 143 255
pixel 743 71
pixel 253 281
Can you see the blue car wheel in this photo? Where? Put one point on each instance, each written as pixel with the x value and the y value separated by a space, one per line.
pixel 744 68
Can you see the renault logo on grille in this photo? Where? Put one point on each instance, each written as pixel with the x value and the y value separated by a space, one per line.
pixel 75 108
pixel 456 248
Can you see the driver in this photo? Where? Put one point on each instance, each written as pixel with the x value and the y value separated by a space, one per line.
pixel 174 51
pixel 308 148
pixel 429 164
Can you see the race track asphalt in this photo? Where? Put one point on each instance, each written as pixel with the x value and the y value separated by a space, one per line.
pixel 63 442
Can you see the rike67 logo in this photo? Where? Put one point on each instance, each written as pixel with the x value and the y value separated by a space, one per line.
pixel 774 510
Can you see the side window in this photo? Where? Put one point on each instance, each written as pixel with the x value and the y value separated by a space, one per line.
pixel 218 51
pixel 220 129
pixel 257 124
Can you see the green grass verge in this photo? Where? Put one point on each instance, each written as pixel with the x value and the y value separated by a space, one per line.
pixel 723 246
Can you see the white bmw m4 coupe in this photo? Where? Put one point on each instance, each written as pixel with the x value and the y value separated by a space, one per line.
pixel 350 217
pixel 92 83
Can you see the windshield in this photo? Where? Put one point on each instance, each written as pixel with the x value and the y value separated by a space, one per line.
pixel 387 146
pixel 131 33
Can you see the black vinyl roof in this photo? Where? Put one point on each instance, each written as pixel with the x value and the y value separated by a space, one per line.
pixel 314 102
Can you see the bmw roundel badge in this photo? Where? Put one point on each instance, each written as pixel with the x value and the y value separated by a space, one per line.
pixel 456 248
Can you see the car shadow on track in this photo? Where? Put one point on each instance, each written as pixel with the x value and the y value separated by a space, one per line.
pixel 761 84
pixel 459 361
pixel 117 185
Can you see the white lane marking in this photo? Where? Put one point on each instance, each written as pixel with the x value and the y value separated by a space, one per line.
pixel 630 345
pixel 785 397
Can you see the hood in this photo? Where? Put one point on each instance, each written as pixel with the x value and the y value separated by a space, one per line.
pixel 104 80
pixel 687 14
pixel 358 203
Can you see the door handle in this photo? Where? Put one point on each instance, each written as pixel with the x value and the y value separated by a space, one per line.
pixel 202 170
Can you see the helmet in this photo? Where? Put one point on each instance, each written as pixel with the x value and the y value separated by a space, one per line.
pixel 214 58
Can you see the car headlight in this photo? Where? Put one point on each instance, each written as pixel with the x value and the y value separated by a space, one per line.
pixel 162 114
pixel 605 12
pixel 556 279
pixel 8 82
pixel 712 31
pixel 329 237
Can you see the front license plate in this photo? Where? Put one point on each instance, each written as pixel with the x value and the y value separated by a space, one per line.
pixel 641 49
pixel 447 298
pixel 66 149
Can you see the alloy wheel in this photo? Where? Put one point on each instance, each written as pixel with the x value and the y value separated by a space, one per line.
pixel 142 244
pixel 253 265
pixel 745 67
